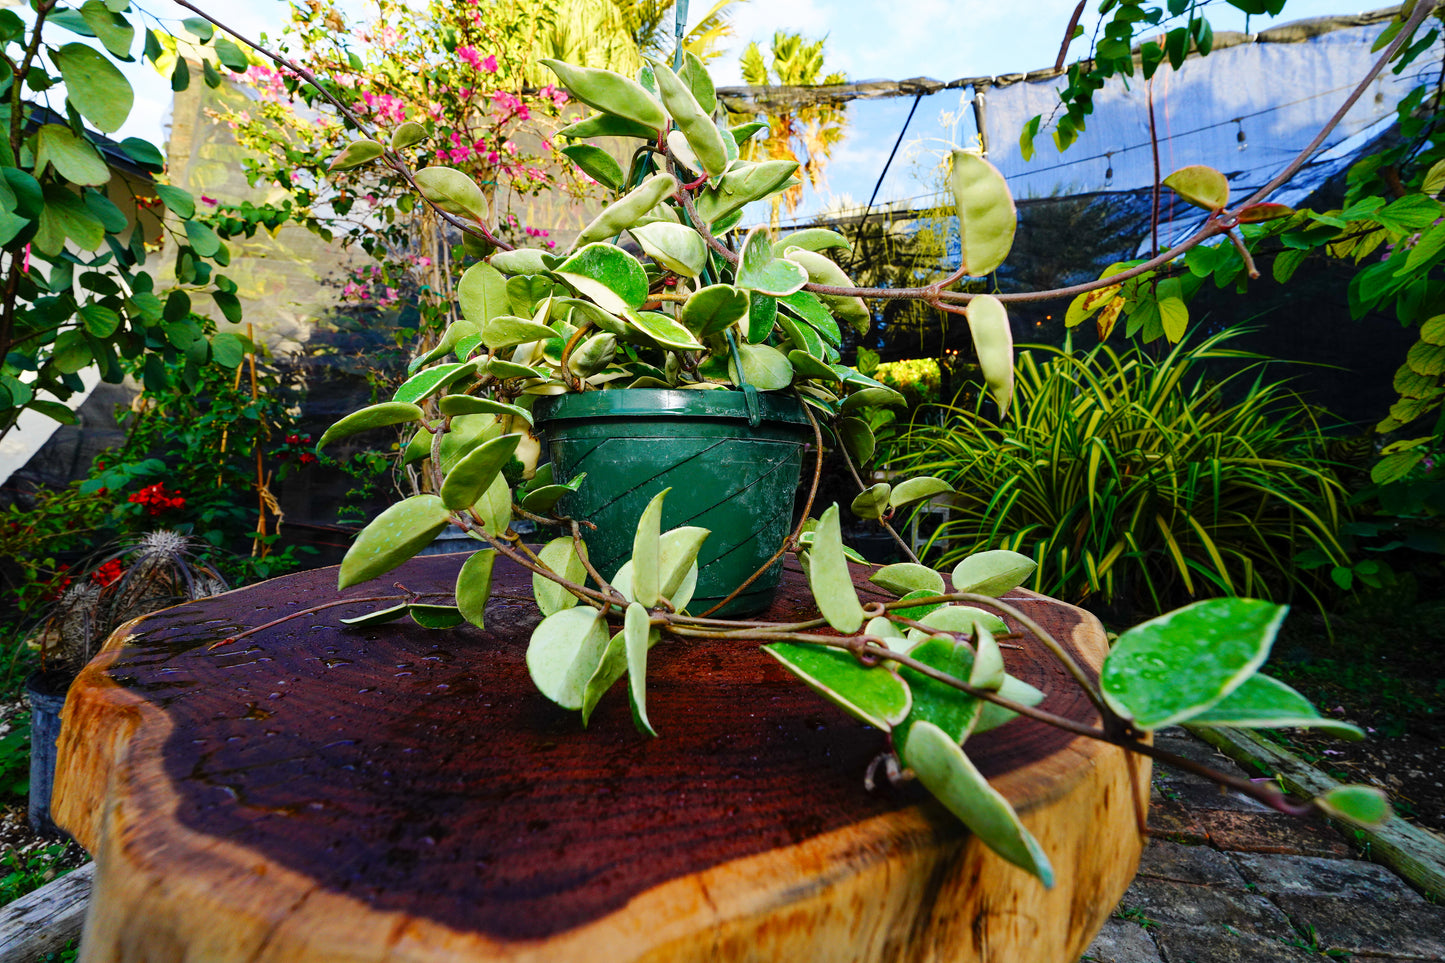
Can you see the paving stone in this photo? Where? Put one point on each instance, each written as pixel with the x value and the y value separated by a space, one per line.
pixel 1184 944
pixel 1268 832
pixel 1188 864
pixel 1311 876
pixel 1412 931
pixel 1181 743
pixel 1211 907
pixel 1122 942
pixel 1170 820
pixel 1206 796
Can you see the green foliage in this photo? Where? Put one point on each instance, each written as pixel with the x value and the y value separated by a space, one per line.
pixel 1136 480
pixel 15 758
pixel 81 286
pixel 22 873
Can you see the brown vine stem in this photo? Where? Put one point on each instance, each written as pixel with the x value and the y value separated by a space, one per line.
pixel 581 549
pixel 907 549
pixel 232 639
pixel 1069 35
pixel 1423 9
pixel 867 650
pixel 792 540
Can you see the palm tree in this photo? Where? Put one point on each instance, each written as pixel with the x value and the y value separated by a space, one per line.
pixel 615 34
pixel 806 134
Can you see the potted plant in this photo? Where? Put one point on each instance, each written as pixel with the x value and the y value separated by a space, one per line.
pixel 657 320
pixel 142 576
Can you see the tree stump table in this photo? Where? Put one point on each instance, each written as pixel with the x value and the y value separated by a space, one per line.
pixel 321 793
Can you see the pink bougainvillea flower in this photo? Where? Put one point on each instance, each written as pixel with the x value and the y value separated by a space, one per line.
pixel 490 64
pixel 470 54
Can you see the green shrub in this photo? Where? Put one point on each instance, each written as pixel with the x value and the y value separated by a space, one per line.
pixel 1139 481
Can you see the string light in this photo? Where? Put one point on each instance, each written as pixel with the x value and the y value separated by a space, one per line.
pixel 1239 133
pixel 1109 171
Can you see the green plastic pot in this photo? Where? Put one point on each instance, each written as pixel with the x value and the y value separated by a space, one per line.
pixel 730 471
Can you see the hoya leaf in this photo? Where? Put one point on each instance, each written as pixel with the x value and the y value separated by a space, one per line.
pixel 564 652
pixel 883 628
pixel 407 135
pixel 373 416
pixel 714 309
pixel 607 275
pixel 759 270
pixel 869 397
pixel 987 218
pixel 559 555
pixel 379 617
pixel 857 438
pixel 951 709
pixel 872 695
pixel 482 294
pixel 916 490
pixel 356 153
pixel 647 553
pixel 992 573
pixel 677 248
pixel 954 781
pixel 1200 185
pixel 917 611
pixel 597 164
pixel 636 632
pixel 993 343
pixel 954 618
pixel 661 329
pixel 391 538
pixel 829 578
pixel 435 616
pixel 428 381
pixel 611 667
pixel 677 555
pixel 1365 806
pixel 988 670
pixel 457 333
pixel 474 586
pixel 1015 690
pixel 1262 702
pixel 763 366
pixel 470 477
pixel 905 577
pixel 811 239
pixel 610 93
pixel 543 498
pixel 507 331
pixel 873 502
pixel 495 507
pixel 1174 667
pixel 452 191
pixel 806 365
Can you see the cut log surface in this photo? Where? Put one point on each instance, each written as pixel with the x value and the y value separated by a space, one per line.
pixel 321 793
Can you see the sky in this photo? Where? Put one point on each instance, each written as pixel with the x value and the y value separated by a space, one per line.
pixel 866 39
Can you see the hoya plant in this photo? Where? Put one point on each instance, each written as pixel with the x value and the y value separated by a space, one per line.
pixel 659 291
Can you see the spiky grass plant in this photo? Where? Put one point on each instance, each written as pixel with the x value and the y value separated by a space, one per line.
pixel 156 570
pixel 1139 481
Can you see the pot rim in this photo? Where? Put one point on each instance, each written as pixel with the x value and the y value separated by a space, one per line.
pixel 667 403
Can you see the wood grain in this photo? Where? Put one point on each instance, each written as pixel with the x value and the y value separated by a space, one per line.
pixel 321 793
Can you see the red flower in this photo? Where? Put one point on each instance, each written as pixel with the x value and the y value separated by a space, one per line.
pixel 307 458
pixel 108 574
